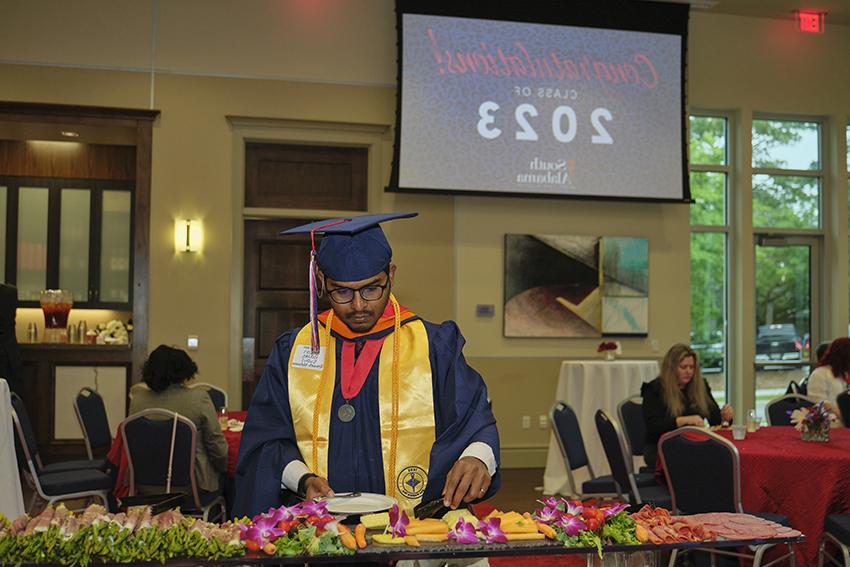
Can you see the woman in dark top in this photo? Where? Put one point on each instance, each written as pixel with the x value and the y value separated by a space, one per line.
pixel 678 397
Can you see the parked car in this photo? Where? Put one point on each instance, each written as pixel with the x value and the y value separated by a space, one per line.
pixel 711 357
pixel 778 342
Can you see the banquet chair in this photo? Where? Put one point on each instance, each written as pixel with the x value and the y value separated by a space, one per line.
pixel 618 457
pixel 31 445
pixel 156 440
pixel 56 486
pixel 217 395
pixel 571 442
pixel 630 414
pixel 703 473
pixel 777 409
pixel 836 530
pixel 91 413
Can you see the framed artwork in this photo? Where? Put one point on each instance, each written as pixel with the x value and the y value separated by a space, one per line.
pixel 576 286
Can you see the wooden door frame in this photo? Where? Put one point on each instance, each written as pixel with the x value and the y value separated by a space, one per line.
pixel 376 137
pixel 141 121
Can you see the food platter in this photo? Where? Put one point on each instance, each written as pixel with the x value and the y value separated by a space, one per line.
pixel 359 503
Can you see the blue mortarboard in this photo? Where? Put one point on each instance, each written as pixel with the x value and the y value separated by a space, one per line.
pixel 353 249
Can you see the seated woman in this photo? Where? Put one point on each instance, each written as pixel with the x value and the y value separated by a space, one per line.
pixel 831 375
pixel 165 374
pixel 680 396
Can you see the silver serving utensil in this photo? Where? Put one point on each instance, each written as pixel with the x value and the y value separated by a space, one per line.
pixel 339 495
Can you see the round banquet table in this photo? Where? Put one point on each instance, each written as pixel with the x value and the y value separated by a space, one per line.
pixel 805 481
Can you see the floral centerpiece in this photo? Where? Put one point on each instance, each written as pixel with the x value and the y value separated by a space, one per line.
pixel 609 349
pixel 813 422
pixel 113 332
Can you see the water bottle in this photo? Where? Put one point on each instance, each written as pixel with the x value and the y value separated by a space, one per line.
pixel 32 332
pixel 72 335
pixel 82 329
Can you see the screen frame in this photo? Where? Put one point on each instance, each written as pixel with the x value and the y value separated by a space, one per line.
pixel 627 15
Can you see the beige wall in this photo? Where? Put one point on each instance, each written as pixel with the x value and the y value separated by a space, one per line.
pixel 294 66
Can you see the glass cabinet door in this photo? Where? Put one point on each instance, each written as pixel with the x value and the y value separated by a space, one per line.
pixel 115 247
pixel 71 234
pixel 74 242
pixel 32 242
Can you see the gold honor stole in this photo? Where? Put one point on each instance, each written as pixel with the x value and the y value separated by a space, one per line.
pixel 415 399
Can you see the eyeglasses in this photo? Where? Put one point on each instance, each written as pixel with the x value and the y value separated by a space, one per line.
pixel 371 292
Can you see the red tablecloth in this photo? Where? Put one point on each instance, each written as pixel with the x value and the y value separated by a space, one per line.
pixel 802 480
pixel 118 457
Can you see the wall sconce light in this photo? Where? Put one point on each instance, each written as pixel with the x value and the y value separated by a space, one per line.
pixel 188 235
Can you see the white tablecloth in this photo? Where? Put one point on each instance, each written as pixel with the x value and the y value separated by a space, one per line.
pixel 11 499
pixel 586 386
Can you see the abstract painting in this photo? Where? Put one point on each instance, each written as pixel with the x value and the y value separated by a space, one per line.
pixel 576 286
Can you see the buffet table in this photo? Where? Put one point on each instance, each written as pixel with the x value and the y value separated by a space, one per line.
pixel 586 386
pixel 804 481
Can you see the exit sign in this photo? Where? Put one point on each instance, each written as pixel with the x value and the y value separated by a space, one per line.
pixel 810 22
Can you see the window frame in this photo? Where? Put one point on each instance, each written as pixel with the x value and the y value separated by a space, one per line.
pixel 727 169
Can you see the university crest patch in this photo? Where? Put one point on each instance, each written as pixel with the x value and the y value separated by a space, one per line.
pixel 411 482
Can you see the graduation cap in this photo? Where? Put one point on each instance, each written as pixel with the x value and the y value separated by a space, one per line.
pixel 353 249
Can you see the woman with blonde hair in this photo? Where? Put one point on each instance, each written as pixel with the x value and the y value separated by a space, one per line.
pixel 678 397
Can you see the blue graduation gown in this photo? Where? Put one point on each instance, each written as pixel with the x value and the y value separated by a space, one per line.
pixel 462 416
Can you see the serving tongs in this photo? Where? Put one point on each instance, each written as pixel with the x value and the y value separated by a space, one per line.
pixel 339 495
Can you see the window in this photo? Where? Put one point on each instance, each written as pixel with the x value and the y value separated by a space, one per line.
pixel 68 234
pixel 786 174
pixel 709 179
pixel 787 180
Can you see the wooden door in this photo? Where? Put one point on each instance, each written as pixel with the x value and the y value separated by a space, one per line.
pixel 276 292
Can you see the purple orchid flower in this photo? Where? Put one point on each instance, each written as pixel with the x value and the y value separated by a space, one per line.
pixel 614 510
pixel 551 502
pixel 398 521
pixel 464 532
pixel 573 507
pixel 263 529
pixel 310 508
pixel 278 514
pixel 571 525
pixel 492 530
pixel 547 514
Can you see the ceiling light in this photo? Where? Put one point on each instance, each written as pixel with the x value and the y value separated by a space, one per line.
pixel 70 134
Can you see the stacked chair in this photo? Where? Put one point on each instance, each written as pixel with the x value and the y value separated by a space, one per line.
pixel 567 432
pixel 630 413
pixel 91 413
pixel 67 480
pixel 619 459
pixel 703 473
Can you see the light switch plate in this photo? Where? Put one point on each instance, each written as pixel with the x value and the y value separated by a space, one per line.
pixel 485 310
pixel 192 342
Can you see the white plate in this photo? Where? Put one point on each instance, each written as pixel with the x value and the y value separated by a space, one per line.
pixel 366 503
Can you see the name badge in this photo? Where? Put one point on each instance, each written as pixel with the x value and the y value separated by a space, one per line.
pixel 305 358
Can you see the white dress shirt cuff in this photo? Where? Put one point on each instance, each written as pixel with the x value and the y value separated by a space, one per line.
pixel 481 451
pixel 293 472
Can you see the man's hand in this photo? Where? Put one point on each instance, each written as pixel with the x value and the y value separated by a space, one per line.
pixel 317 486
pixel 727 414
pixel 468 480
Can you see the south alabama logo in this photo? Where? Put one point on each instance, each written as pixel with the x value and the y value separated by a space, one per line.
pixel 411 482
